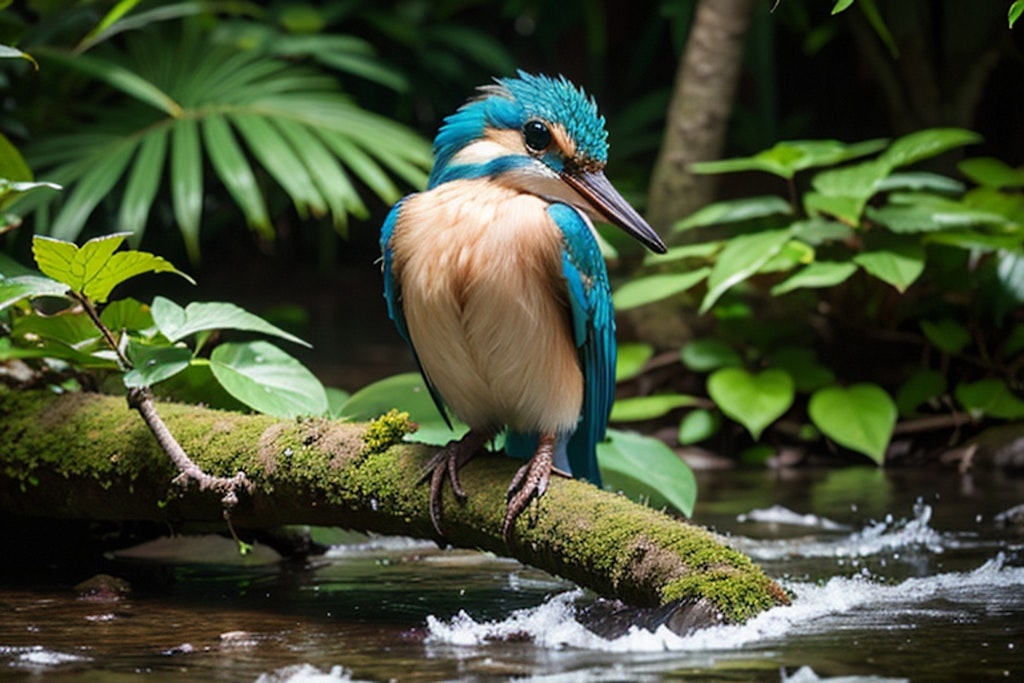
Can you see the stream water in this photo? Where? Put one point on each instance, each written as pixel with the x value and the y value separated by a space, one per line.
pixel 898 575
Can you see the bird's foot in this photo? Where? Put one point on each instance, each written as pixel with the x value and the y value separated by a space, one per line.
pixel 531 481
pixel 447 462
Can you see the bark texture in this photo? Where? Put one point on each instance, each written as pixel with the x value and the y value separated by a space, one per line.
pixel 699 111
pixel 82 455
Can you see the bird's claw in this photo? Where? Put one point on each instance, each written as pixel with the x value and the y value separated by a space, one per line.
pixel 446 463
pixel 530 481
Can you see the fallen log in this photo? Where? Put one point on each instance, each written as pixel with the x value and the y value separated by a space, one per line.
pixel 87 456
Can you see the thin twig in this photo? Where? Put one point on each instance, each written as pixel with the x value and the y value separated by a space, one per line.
pixel 141 399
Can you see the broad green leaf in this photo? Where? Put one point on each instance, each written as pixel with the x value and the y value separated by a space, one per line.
pixel 95 269
pixel 127 314
pixel 651 288
pixel 946 334
pixel 11 193
pixel 922 387
pixel 336 398
pixel 920 218
pixel 992 172
pixel 742 257
pixel 176 323
pixel 698 425
pixel 71 328
pixel 755 401
pixel 972 240
pixel 152 364
pixel 12 165
pixel 860 417
pixel 705 355
pixel 187 182
pixel 14 289
pixel 734 211
pixel 267 379
pixel 793 253
pixel 786 158
pixel 630 359
pixel 645 469
pixel 920 181
pixel 408 393
pixel 990 397
pixel 1015 11
pixel 847 210
pixel 924 144
pixel 816 275
pixel 899 265
pixel 848 188
pixel 1007 206
pixel 649 407
pixel 817 231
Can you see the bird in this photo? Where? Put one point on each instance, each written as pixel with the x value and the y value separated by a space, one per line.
pixel 495 279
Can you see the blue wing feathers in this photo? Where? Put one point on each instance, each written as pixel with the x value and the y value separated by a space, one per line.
pixel 594 331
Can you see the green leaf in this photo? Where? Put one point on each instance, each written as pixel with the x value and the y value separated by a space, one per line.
pixel 651 288
pixel 924 144
pixel 786 158
pixel 816 275
pixel 990 397
pixel 127 314
pixel 143 182
pixel 408 393
pixel 152 364
pixel 920 181
pixel 856 183
pixel 992 172
pixel 705 355
pixel 630 360
pixel 645 469
pixel 267 379
pixel 90 190
pixel 12 164
pixel 117 76
pixel 14 289
pixel 187 182
pixel 700 251
pixel 860 417
pixel 948 335
pixel 840 6
pixel 755 401
pixel 734 211
pixel 742 257
pixel 847 210
pixel 8 52
pixel 698 425
pixel 1013 14
pixel 649 407
pixel 233 169
pixel 899 264
pixel 922 387
pixel 176 323
pixel 95 269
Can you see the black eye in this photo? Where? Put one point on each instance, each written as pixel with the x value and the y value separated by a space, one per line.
pixel 536 136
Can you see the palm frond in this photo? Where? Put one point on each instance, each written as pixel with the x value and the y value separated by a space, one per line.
pixel 245 114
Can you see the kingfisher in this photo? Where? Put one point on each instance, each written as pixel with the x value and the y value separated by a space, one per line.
pixel 495 279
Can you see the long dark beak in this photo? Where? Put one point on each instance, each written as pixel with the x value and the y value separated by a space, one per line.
pixel 606 201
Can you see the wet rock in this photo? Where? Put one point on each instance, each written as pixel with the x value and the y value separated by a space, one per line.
pixel 1012 518
pixel 612 619
pixel 103 587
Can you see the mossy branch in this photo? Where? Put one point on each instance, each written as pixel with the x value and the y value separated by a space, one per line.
pixel 81 455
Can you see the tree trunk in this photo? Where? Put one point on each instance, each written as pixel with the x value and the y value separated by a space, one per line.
pixel 699 111
pixel 81 455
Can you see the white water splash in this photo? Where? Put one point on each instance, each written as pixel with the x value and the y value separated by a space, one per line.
pixel 553 624
pixel 38 656
pixel 777 514
pixel 806 674
pixel 878 537
pixel 307 673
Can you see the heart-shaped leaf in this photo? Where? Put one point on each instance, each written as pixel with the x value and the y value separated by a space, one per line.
pixel 990 397
pixel 755 401
pixel 646 469
pixel 860 417
pixel 267 379
pixel 648 407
